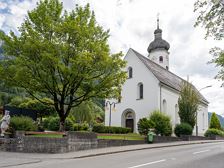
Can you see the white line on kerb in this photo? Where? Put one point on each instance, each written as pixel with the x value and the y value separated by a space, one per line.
pixel 141 165
pixel 201 152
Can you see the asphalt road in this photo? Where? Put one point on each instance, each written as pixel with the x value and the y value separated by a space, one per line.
pixel 189 156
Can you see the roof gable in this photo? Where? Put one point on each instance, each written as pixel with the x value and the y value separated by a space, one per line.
pixel 164 76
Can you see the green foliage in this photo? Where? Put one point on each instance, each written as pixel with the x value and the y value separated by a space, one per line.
pixel 43 107
pixel 144 125
pixel 218 59
pixel 53 123
pixel 211 132
pixel 113 130
pixel 64 55
pixel 16 101
pixel 80 127
pixel 162 123
pixel 183 129
pixel 188 103
pixel 214 122
pixel 87 112
pixel 211 17
pixel 23 123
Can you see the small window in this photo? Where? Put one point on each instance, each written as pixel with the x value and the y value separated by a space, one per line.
pixel 140 91
pixel 130 72
pixel 161 59
pixel 167 68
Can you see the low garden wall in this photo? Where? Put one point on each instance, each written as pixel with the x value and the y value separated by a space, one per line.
pixel 73 141
pixel 162 139
pixel 104 143
pixel 194 138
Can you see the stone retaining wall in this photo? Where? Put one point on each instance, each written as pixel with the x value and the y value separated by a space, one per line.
pixel 74 141
pixel 194 138
pixel 162 139
pixel 104 143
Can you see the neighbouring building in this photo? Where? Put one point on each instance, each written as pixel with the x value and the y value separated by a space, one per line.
pixel 151 86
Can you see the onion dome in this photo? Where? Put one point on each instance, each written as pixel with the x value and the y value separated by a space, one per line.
pixel 158 42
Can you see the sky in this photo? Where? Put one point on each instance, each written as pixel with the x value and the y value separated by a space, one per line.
pixel 132 23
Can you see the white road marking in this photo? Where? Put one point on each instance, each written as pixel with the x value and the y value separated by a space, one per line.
pixel 201 152
pixel 141 165
pixel 173 158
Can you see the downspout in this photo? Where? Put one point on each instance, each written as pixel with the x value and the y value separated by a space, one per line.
pixel 160 108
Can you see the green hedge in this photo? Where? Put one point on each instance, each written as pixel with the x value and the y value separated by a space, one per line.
pixel 112 130
pixel 80 127
pixel 22 123
pixel 183 129
pixel 212 132
pixel 53 123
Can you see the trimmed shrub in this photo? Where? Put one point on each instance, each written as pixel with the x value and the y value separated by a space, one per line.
pixel 211 132
pixel 183 129
pixel 80 127
pixel 53 124
pixel 22 123
pixel 162 123
pixel 111 130
pixel 144 125
pixel 214 122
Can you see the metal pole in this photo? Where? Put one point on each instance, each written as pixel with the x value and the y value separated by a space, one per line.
pixel 197 123
pixel 110 117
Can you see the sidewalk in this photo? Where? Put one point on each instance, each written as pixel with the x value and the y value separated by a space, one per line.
pixel 112 150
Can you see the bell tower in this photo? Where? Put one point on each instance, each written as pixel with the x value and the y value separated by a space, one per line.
pixel 158 49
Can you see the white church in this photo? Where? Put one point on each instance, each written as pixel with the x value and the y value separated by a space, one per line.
pixel 151 86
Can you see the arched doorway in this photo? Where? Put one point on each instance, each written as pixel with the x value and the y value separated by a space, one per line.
pixel 128 119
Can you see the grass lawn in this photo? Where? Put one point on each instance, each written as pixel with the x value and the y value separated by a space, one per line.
pixel 46 135
pixel 121 136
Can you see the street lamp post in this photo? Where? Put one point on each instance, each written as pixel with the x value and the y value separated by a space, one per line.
pixel 110 104
pixel 197 111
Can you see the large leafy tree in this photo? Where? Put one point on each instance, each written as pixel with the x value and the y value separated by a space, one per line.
pixel 188 103
pixel 211 17
pixel 62 55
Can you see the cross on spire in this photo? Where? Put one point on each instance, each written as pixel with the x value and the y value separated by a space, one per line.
pixel 157 20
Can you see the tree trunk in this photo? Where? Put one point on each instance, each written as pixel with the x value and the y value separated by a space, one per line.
pixel 62 124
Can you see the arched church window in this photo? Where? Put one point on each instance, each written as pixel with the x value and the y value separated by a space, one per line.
pixel 164 106
pixel 140 91
pixel 130 72
pixel 161 59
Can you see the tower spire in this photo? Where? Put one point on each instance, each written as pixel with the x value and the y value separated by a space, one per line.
pixel 157 20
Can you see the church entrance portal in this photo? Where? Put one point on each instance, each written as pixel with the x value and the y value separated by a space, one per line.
pixel 129 120
pixel 130 124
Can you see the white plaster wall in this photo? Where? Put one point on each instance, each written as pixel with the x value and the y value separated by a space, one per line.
pixel 202 119
pixel 141 107
pixel 171 97
pixel 155 54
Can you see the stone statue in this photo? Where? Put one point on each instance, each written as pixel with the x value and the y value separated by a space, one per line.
pixel 5 123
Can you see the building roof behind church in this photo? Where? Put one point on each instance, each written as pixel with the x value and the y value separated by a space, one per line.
pixel 164 76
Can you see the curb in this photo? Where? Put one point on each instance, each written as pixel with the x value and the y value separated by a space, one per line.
pixel 150 147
